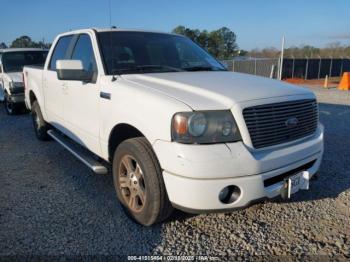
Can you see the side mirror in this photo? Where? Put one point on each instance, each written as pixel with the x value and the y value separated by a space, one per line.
pixel 72 70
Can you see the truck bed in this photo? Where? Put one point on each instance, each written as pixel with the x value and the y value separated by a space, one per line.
pixel 33 80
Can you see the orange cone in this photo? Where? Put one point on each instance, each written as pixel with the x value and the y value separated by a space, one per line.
pixel 345 82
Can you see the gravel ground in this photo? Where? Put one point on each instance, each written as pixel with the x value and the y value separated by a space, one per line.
pixel 51 204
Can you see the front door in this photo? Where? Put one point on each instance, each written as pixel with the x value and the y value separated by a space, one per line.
pixel 53 87
pixel 81 99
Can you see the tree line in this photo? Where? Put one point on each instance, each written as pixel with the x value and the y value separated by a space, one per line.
pixel 335 50
pixel 25 42
pixel 221 43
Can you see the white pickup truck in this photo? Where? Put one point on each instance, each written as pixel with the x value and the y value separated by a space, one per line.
pixel 179 130
pixel 12 61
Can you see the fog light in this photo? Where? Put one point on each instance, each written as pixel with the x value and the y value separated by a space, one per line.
pixel 229 194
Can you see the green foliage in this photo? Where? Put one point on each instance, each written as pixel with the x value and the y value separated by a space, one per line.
pixel 26 41
pixel 220 43
pixel 334 50
pixel 3 45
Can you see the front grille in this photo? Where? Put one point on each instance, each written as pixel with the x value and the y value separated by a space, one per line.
pixel 278 123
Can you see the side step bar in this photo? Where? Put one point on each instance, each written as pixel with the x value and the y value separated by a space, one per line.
pixel 79 152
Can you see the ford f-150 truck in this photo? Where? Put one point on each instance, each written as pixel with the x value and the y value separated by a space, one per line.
pixel 178 129
pixel 12 61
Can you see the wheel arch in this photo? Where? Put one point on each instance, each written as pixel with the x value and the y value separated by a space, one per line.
pixel 120 133
pixel 32 97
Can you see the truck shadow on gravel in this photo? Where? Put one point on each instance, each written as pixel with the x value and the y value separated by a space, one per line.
pixel 334 175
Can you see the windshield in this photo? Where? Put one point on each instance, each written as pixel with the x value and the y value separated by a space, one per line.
pixel 143 52
pixel 14 61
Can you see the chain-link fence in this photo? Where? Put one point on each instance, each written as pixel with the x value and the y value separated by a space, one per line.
pixel 262 67
pixel 315 68
pixel 308 68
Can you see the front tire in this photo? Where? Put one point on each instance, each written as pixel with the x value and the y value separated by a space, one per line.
pixel 39 124
pixel 139 183
pixel 10 107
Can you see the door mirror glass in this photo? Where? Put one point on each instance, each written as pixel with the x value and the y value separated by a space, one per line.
pixel 72 70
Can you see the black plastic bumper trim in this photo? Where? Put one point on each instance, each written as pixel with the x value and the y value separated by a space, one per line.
pixel 273 180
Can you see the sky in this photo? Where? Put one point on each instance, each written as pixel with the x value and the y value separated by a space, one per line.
pixel 257 23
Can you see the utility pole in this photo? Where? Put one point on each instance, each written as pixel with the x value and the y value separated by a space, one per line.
pixel 281 60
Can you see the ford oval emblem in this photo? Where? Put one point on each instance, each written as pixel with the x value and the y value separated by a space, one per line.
pixel 291 122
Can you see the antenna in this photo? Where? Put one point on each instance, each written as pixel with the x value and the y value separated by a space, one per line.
pixel 110 13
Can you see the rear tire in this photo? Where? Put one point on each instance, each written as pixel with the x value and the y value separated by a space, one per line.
pixel 138 182
pixel 39 124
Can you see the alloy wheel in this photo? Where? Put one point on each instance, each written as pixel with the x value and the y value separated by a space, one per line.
pixel 132 183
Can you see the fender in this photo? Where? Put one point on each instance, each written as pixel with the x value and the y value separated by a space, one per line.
pixel 36 90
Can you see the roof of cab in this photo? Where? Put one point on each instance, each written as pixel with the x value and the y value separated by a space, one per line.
pixel 79 31
pixel 7 50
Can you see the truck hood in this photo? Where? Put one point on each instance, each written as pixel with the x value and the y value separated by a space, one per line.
pixel 214 90
pixel 14 77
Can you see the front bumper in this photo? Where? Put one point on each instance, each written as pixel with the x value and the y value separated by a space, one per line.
pixel 194 175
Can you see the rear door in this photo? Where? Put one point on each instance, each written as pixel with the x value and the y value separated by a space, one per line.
pixel 53 88
pixel 81 99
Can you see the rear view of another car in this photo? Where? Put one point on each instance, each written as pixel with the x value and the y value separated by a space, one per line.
pixel 12 61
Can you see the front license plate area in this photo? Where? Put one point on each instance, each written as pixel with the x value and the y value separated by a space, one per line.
pixel 294 183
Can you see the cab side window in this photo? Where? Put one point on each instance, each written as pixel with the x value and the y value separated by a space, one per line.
pixel 60 51
pixel 83 51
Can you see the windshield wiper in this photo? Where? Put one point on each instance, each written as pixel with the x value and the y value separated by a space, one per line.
pixel 142 68
pixel 161 66
pixel 203 68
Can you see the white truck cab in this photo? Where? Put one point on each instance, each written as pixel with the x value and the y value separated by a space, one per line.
pixel 179 130
pixel 12 61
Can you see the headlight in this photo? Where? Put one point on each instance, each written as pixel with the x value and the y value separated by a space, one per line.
pixel 204 127
pixel 197 123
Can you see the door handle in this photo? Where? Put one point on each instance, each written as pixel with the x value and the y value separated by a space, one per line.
pixel 64 86
pixel 105 95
